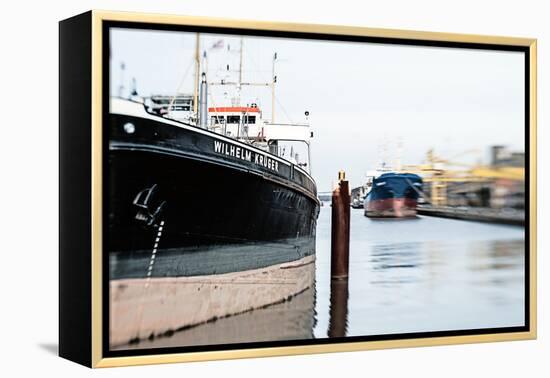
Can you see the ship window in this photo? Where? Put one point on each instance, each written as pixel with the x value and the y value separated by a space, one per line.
pixel 181 108
pixel 218 119
pixel 249 119
pixel 233 119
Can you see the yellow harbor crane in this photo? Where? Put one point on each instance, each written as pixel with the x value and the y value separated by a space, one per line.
pixel 436 171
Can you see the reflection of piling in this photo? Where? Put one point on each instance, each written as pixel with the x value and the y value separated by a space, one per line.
pixel 340 229
pixel 338 320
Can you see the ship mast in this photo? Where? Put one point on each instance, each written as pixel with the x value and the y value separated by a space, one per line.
pixel 239 82
pixel 121 86
pixel 197 77
pixel 274 78
pixel 399 153
pixel 240 70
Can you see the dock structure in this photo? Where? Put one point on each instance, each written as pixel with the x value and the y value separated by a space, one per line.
pixel 478 214
pixel 357 196
pixel 499 185
pixel 324 196
pixel 493 193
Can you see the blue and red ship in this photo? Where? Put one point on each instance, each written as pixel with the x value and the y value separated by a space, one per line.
pixel 393 195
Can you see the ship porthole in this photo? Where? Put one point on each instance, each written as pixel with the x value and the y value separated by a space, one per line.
pixel 129 128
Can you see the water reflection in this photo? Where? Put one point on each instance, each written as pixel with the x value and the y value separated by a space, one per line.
pixel 293 319
pixel 338 321
pixel 497 255
pixel 429 274
pixel 498 266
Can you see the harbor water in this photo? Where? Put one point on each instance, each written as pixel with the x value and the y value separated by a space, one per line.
pixel 406 275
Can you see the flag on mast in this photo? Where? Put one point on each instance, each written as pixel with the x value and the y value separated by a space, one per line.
pixel 217 45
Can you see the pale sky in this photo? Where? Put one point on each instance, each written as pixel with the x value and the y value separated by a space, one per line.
pixel 363 98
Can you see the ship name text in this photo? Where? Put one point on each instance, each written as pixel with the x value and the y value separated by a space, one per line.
pixel 238 152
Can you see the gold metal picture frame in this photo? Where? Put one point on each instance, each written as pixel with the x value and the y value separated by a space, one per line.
pixel 84 92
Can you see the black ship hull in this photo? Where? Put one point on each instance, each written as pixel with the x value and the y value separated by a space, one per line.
pixel 184 201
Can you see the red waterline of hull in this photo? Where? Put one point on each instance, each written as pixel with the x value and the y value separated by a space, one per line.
pixel 391 207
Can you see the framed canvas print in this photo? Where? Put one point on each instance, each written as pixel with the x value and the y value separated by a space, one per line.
pixel 236 188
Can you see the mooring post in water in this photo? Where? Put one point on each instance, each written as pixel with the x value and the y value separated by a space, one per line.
pixel 339 266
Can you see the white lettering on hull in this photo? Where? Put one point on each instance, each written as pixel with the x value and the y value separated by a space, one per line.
pixel 241 153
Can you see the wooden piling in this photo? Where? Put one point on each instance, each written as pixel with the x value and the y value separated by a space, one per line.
pixel 339 266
